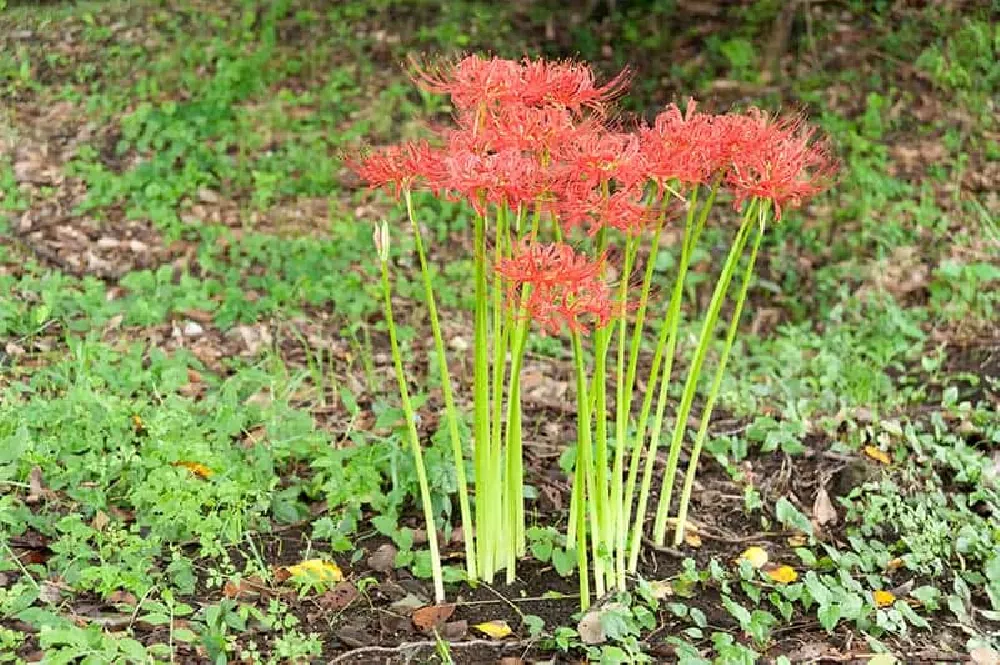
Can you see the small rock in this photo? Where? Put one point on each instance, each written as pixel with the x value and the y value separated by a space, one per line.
pixel 192 329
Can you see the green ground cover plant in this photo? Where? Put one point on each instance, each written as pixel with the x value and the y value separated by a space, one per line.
pixel 204 453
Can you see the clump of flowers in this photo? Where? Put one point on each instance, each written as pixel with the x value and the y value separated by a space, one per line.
pixel 556 186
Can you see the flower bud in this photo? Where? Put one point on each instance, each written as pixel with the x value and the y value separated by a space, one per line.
pixel 381 237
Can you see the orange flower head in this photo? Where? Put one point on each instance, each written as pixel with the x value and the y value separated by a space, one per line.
pixel 565 286
pixel 779 160
pixel 479 83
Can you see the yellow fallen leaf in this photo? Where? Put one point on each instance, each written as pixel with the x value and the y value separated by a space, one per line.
pixel 318 569
pixel 877 454
pixel 496 630
pixel 883 659
pixel 782 574
pixel 692 538
pixel 797 541
pixel 196 468
pixel 893 564
pixel 661 589
pixel 884 598
pixel 755 556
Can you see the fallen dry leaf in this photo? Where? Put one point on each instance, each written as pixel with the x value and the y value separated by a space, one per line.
pixel 984 656
pixel 894 564
pixel 36 486
pixel 884 598
pixel 383 559
pixel 496 630
pixel 121 597
pixel 823 511
pixel 100 521
pixel 430 617
pixel 883 659
pixel 318 569
pixel 692 538
pixel 661 589
pixel 590 629
pixel 455 630
pixel 338 597
pixel 247 586
pixel 798 541
pixel 781 574
pixel 755 556
pixel 196 468
pixel 877 454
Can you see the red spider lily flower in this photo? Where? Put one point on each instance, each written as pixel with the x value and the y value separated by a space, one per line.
pixel 682 146
pixel 569 84
pixel 565 286
pixel 480 83
pixel 538 130
pixel 624 210
pixel 508 177
pixel 781 161
pixel 598 155
pixel 398 167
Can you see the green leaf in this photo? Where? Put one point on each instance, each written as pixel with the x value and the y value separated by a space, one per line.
pixel 791 516
pixel 564 561
pixel 534 624
pixel 828 616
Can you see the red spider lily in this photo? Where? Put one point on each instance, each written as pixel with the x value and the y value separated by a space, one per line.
pixel 565 286
pixel 683 146
pixel 397 167
pixel 568 83
pixel 779 160
pixel 623 210
pixel 538 130
pixel 481 83
pixel 598 155
pixel 508 177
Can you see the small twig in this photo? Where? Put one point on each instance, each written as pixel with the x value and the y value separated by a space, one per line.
pixel 353 655
pixel 663 549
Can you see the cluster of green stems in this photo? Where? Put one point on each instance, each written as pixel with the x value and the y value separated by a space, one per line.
pixel 607 518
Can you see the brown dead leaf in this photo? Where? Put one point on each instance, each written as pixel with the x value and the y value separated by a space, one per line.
pixel 454 631
pixel 590 629
pixel 383 559
pixel 432 616
pixel 49 592
pixel 36 486
pixel 121 597
pixel 100 521
pixel 984 656
pixel 823 511
pixel 243 587
pixel 339 597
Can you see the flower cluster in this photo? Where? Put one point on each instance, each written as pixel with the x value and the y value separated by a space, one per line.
pixel 556 285
pixel 535 134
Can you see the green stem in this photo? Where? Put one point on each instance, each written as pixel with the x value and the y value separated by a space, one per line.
pixel 481 408
pixel 599 495
pixel 720 372
pixel 691 385
pixel 501 334
pixel 451 411
pixel 665 346
pixel 411 423
pixel 622 404
pixel 588 486
pixel 512 434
